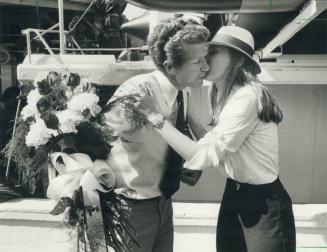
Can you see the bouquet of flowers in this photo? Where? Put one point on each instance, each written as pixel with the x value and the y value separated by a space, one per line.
pixel 63 127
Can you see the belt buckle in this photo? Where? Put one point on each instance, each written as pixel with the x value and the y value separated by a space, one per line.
pixel 238 186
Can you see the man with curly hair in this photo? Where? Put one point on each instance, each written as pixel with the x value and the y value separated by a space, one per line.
pixel 147 171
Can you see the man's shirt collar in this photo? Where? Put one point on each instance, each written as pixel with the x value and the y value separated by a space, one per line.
pixel 169 90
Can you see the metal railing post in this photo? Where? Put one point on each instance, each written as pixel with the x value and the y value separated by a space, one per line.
pixel 47 47
pixel 28 40
pixel 61 26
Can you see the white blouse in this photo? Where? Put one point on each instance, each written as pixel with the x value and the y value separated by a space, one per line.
pixel 240 145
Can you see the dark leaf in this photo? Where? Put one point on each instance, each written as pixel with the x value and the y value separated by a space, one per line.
pixel 60 160
pixel 62 205
pixel 86 112
pixel 30 119
pixel 119 233
pixel 31 151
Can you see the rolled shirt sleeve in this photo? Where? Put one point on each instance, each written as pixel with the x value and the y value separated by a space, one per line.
pixel 237 119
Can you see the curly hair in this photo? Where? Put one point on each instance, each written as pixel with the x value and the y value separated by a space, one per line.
pixel 166 41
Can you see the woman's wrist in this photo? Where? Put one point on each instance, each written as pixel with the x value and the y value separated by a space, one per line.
pixel 156 120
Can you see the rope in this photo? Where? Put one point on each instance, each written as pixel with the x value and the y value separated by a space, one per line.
pixel 80 19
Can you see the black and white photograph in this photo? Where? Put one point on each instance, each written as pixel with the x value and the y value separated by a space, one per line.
pixel 163 126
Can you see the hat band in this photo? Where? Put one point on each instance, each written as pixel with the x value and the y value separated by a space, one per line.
pixel 227 39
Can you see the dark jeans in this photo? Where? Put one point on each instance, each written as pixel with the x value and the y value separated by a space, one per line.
pixel 255 218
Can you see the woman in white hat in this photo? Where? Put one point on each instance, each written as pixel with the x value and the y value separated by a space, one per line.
pixel 256 211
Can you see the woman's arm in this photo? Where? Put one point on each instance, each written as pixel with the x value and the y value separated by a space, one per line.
pixel 182 144
pixel 196 155
pixel 196 126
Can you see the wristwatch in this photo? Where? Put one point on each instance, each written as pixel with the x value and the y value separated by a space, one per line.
pixel 157 121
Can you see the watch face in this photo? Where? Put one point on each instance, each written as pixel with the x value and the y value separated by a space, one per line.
pixel 159 122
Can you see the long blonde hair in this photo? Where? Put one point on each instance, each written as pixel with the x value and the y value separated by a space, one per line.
pixel 241 75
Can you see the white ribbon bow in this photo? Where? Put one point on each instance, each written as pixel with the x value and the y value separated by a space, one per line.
pixel 78 170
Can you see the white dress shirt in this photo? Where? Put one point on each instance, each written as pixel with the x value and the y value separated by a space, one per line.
pixel 240 145
pixel 140 163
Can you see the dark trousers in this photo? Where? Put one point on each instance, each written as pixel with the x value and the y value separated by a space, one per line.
pixel 255 218
pixel 153 223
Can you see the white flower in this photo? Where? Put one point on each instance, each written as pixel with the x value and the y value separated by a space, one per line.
pixel 69 94
pixel 68 120
pixel 33 97
pixel 85 101
pixel 95 110
pixel 39 134
pixel 29 111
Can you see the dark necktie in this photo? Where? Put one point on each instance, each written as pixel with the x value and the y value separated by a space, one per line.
pixel 171 180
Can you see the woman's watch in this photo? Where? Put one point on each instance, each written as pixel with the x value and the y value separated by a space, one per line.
pixel 157 120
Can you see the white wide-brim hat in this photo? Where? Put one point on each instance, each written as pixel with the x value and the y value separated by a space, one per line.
pixel 237 38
